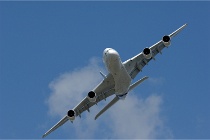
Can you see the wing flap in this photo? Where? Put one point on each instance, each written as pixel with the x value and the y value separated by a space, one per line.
pixel 85 104
pixel 102 90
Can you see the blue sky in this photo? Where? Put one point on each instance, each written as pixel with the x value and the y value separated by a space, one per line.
pixel 50 57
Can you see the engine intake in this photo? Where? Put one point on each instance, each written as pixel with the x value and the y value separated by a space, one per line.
pixel 166 40
pixel 147 53
pixel 92 96
pixel 71 115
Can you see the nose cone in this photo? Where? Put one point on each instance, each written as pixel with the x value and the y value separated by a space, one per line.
pixel 109 51
pixel 110 56
pixel 106 51
pixel 113 52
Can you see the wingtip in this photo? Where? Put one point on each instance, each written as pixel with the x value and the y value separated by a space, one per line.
pixel 145 77
pixel 44 136
pixel 95 117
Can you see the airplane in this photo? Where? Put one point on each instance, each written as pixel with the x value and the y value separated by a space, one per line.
pixel 118 81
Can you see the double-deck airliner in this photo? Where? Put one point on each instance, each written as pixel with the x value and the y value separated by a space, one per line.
pixel 118 81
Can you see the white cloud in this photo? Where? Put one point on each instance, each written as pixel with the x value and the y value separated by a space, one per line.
pixel 129 118
pixel 138 118
pixel 69 88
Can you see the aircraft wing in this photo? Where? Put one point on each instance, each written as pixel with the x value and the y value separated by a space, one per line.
pixel 61 122
pixel 103 90
pixel 135 64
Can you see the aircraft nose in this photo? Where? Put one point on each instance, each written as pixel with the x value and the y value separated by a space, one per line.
pixel 106 51
pixel 113 52
pixel 110 54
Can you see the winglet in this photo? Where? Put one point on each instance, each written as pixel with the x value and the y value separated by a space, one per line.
pixel 44 135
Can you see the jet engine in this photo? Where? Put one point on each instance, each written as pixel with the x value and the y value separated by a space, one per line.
pixel 147 53
pixel 166 40
pixel 91 96
pixel 71 115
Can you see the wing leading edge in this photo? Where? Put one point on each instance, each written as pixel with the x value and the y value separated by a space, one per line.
pixel 103 90
pixel 135 64
pixel 61 122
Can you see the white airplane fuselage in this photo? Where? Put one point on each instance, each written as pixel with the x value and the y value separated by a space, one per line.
pixel 115 66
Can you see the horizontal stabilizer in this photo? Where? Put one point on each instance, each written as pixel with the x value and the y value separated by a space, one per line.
pixel 107 106
pixel 104 76
pixel 137 83
pixel 116 98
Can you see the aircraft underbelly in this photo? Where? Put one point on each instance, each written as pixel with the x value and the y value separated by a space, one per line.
pixel 122 82
pixel 121 78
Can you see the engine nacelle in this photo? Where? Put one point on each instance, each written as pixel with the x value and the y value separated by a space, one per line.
pixel 71 115
pixel 166 40
pixel 91 96
pixel 147 53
